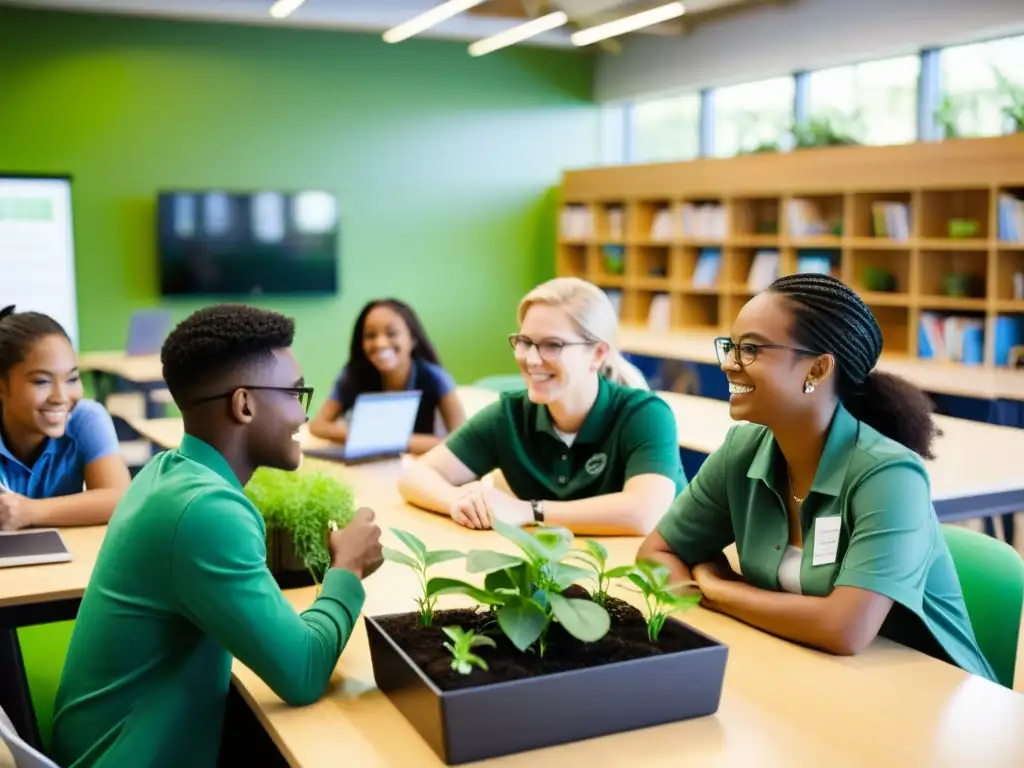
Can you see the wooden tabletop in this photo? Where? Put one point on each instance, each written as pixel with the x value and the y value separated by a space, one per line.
pixel 138 369
pixel 931 376
pixel 972 458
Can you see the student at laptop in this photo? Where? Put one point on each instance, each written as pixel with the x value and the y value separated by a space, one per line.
pixel 824 492
pixel 181 582
pixel 53 443
pixel 586 445
pixel 390 352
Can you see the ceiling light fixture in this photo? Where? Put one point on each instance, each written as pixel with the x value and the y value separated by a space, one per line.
pixel 428 19
pixel 519 33
pixel 283 8
pixel 628 24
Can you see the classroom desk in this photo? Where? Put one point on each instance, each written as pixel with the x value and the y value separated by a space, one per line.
pixel 930 376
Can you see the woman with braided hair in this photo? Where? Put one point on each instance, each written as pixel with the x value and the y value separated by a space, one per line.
pixel 824 491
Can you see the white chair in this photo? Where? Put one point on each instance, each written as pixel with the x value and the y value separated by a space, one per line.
pixel 15 753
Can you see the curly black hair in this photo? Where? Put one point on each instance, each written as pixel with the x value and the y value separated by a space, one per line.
pixel 829 317
pixel 214 342
pixel 19 331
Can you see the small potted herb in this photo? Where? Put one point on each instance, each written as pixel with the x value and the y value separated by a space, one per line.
pixel 297 508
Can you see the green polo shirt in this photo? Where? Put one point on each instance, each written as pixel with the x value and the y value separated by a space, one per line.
pixel 180 586
pixel 628 432
pixel 890 540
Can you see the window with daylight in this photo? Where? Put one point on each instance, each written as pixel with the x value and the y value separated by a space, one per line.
pixel 874 102
pixel 753 116
pixel 977 83
pixel 665 129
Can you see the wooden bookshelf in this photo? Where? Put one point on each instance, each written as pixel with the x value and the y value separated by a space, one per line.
pixel 923 232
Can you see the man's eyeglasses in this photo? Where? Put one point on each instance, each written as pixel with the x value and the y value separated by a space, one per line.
pixel 548 349
pixel 745 352
pixel 304 394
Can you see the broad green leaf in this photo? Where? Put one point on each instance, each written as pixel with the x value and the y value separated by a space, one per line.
pixel 443 586
pixel 522 620
pixel 484 560
pixel 541 596
pixel 657 573
pixel 519 537
pixel 482 640
pixel 474 659
pixel 400 557
pixel 598 550
pixel 619 572
pixel 639 580
pixel 454 632
pixel 681 602
pixel 564 574
pixel 442 556
pixel 513 579
pixel 583 619
pixel 415 546
pixel 554 543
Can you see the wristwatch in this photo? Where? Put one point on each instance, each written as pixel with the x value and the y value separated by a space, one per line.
pixel 538 511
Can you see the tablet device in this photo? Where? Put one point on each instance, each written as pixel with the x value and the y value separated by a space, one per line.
pixel 380 427
pixel 32 546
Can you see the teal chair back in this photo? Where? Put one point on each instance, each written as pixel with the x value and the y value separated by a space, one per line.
pixel 991 576
pixel 504 383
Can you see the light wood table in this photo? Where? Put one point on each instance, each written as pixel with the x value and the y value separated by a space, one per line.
pixel 930 376
pixel 137 369
pixel 782 705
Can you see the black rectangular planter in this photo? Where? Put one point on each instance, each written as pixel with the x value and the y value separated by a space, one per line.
pixel 519 715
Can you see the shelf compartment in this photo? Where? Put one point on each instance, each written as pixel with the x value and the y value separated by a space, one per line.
pixel 945 275
pixel 1010 276
pixel 654 221
pixel 608 261
pixel 576 222
pixel 696 311
pixel 878 271
pixel 887 215
pixel 704 221
pixel 610 224
pixel 755 217
pixel 650 261
pixel 813 216
pixel 1010 217
pixel 739 263
pixel 895 324
pixel 572 260
pixel 817 260
pixel 955 214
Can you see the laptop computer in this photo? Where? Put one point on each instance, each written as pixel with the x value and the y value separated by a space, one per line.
pixel 379 428
pixel 147 330
pixel 32 546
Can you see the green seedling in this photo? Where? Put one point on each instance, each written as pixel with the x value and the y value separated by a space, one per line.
pixel 461 648
pixel 652 579
pixel 525 591
pixel 420 559
pixel 596 558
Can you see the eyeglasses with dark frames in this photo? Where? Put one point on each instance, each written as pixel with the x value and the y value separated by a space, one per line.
pixel 304 394
pixel 548 349
pixel 746 352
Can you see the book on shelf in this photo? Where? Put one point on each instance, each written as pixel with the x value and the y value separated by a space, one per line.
pixel 616 217
pixel 705 273
pixel 659 316
pixel 764 270
pixel 704 221
pixel 1009 333
pixel 1011 219
pixel 663 226
pixel 951 338
pixel 805 219
pixel 576 222
pixel 891 220
pixel 816 262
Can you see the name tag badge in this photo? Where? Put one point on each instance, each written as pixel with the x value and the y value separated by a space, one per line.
pixel 826 539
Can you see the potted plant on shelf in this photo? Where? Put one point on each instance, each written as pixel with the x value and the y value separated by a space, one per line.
pixel 297 508
pixel 569 662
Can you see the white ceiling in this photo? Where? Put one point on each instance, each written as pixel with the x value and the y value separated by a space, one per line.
pixel 356 15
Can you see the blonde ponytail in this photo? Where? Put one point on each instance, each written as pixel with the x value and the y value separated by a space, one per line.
pixel 619 370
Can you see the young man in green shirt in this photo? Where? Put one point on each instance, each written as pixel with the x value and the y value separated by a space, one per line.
pixel 824 493
pixel 586 446
pixel 181 583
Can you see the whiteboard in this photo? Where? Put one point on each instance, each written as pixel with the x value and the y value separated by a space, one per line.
pixel 37 249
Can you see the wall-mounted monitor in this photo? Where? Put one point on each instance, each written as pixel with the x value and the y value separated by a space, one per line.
pixel 247 243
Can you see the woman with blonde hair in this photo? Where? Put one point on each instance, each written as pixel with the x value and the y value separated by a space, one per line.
pixel 586 445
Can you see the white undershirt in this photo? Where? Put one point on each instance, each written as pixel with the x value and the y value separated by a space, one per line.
pixel 567 437
pixel 789 570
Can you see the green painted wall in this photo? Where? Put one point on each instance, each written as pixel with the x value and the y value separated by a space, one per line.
pixel 443 164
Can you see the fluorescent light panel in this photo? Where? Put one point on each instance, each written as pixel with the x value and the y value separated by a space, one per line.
pixel 283 8
pixel 518 34
pixel 628 24
pixel 428 19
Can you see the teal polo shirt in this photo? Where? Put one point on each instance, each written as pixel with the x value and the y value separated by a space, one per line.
pixel 628 432
pixel 181 585
pixel 890 540
pixel 60 468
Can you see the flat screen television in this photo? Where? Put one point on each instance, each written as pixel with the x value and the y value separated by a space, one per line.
pixel 247 243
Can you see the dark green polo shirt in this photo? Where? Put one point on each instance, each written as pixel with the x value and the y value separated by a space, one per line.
pixel 180 586
pixel 628 432
pixel 890 540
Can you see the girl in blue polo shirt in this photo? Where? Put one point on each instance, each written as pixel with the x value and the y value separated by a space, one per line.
pixel 60 463
pixel 391 352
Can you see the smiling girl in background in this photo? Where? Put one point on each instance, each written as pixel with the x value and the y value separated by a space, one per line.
pixel 586 445
pixel 391 352
pixel 52 442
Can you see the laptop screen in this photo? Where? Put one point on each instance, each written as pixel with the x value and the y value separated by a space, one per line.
pixel 381 423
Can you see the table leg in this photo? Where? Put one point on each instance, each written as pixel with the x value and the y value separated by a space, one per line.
pixel 15 698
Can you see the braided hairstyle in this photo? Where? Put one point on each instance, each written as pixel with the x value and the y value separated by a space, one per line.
pixel 829 317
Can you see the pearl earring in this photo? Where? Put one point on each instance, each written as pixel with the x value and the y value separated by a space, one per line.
pixel 808 387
